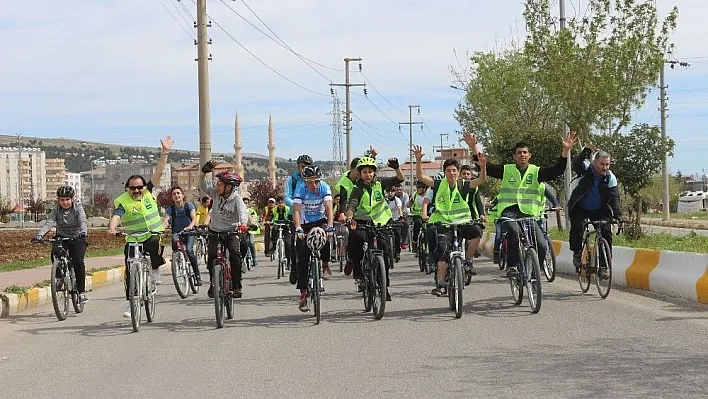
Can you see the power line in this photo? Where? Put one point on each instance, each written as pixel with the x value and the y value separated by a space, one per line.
pixel 261 61
pixel 377 91
pixel 187 31
pixel 281 43
pixel 180 13
pixel 425 126
pixel 186 10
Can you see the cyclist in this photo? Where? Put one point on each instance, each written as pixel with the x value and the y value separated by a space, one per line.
pixel 69 219
pixel 396 206
pixel 335 203
pixel 474 202
pixel 415 204
pixel 182 216
pixel 137 210
pixel 596 197
pixel 404 197
pixel 312 208
pixel 252 233
pixel 450 207
pixel 229 214
pixel 344 188
pixel 265 219
pixel 203 211
pixel 429 207
pixel 289 187
pixel 520 193
pixel 367 204
pixel 281 213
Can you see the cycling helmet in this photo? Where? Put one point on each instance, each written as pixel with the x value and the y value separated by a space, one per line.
pixel 420 184
pixel 439 176
pixel 316 239
pixel 230 178
pixel 306 159
pixel 66 191
pixel 366 161
pixel 311 172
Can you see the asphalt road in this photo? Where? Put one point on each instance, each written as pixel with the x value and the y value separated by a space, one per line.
pixel 578 345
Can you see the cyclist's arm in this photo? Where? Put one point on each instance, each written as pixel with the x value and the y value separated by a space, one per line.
pixel 209 189
pixel 353 202
pixel 427 180
pixel 424 210
pixel 161 163
pixel 83 226
pixel 288 192
pixel 546 173
pixel 296 214
pixel 48 223
pixel 329 211
pixel 549 195
pixel 479 204
pixel 192 218
pixel 578 164
pixel 495 171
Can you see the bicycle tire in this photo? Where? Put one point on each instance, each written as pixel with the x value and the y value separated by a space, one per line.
pixel 457 288
pixel 549 265
pixel 180 274
pixel 315 294
pixel 193 282
pixel 281 257
pixel 149 296
pixel 604 255
pixel 217 285
pixel 341 253
pixel 205 251
pixel 502 256
pixel 534 290
pixel 228 295
pixel 378 275
pixel 78 307
pixel 60 299
pixel 585 272
pixel 366 283
pixel 198 250
pixel 135 288
pixel 422 255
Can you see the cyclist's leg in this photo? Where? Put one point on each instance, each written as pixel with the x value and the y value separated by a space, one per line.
pixel 473 234
pixel 356 250
pixel 575 238
pixel 541 243
pixel 383 242
pixel 152 246
pixel 432 237
pixel 127 270
pixel 175 237
pixel 266 239
pixel 417 224
pixel 211 255
pixel 497 240
pixel 303 264
pixel 252 247
pixel 189 246
pixel 404 233
pixel 512 236
pixel 397 238
pixel 444 238
pixel 605 230
pixel 77 251
pixel 235 248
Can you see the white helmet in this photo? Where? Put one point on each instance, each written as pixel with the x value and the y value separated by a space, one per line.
pixel 316 239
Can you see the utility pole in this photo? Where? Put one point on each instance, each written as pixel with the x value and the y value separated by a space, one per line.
pixel 203 58
pixel 446 135
pixel 410 124
pixel 347 99
pixel 566 175
pixel 664 161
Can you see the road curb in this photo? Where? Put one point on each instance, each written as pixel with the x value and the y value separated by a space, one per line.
pixel 11 304
pixel 676 224
pixel 677 274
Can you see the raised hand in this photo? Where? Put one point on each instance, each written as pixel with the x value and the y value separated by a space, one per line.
pixel 470 139
pixel 570 140
pixel 166 144
pixel 418 152
pixel 481 159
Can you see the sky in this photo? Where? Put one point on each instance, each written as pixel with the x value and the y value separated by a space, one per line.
pixel 123 72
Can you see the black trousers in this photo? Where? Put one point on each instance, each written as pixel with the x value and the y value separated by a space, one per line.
pixel 512 236
pixel 151 246
pixel 77 251
pixel 356 245
pixel 287 238
pixel 303 254
pixel 444 234
pixel 578 216
pixel 236 246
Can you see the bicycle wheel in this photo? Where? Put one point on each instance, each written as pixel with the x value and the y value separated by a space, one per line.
pixel 533 279
pixel 378 279
pixel 585 271
pixel 315 290
pixel 135 294
pixel 205 252
pixel 341 253
pixel 199 249
pixel 73 287
pixel 217 285
pixel 366 283
pixel 422 255
pixel 60 299
pixel 179 273
pixel 502 256
pixel 228 295
pixel 603 265
pixel 457 287
pixel 281 258
pixel 549 265
pixel 149 292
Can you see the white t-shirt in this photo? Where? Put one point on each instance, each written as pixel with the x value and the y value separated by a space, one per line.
pixel 395 204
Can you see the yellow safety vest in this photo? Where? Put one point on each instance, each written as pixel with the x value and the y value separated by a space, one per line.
pixel 450 207
pixel 416 209
pixel 254 216
pixel 526 191
pixel 345 182
pixel 139 216
pixel 374 206
pixel 276 213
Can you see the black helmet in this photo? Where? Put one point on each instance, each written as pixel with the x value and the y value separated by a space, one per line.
pixel 311 172
pixel 420 184
pixel 306 159
pixel 66 191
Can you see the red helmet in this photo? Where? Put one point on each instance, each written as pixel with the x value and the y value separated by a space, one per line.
pixel 230 178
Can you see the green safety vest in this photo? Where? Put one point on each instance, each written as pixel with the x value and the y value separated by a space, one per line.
pixel 140 216
pixel 525 192
pixel 450 207
pixel 254 216
pixel 416 209
pixel 374 206
pixel 345 182
pixel 276 213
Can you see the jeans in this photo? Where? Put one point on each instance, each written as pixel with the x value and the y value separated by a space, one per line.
pixel 252 247
pixel 188 242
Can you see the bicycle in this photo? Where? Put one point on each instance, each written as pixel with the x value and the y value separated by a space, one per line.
pixel 374 269
pixel 455 269
pixel 141 288
pixel 528 270
pixel 422 248
pixel 182 268
pixel 549 264
pixel 200 243
pixel 596 258
pixel 314 282
pixel 280 247
pixel 63 280
pixel 221 280
pixel 338 248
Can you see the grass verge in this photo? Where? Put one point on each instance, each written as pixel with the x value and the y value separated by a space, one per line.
pixel 31 264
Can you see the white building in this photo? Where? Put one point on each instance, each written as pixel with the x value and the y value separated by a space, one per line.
pixel 74 180
pixel 33 173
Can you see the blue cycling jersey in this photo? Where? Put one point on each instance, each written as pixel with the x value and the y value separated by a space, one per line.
pixel 290 188
pixel 312 204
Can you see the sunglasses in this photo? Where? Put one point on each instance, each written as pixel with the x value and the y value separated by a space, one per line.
pixel 313 181
pixel 136 188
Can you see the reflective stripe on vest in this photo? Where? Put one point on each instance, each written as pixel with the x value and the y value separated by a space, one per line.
pixel 450 207
pixel 526 191
pixel 140 216
pixel 375 209
pixel 345 182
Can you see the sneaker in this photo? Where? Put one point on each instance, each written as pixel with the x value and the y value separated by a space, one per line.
pixel 156 276
pixel 495 257
pixel 359 285
pixel 439 291
pixel 469 266
pixel 348 268
pixel 602 272
pixel 82 298
pixel 388 296
pixel 126 312
pixel 293 276
pixel 255 265
pixel 577 258
pixel 302 303
pixel 198 281
pixel 210 292
pixel 326 273
pixel 511 272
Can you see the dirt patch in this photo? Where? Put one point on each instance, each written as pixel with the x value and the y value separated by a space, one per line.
pixel 15 245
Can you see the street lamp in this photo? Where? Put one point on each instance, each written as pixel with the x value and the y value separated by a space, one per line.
pixel 456 88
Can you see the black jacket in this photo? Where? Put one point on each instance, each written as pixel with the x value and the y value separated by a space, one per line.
pixel 609 195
